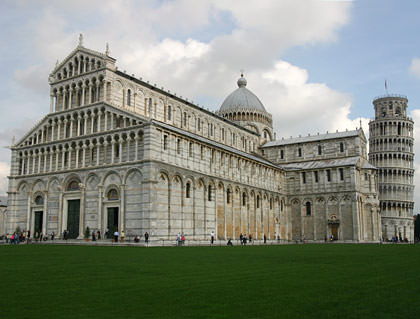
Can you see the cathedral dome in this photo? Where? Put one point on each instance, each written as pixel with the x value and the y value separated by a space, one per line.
pixel 241 99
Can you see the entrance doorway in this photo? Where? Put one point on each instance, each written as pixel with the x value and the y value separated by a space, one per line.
pixel 73 216
pixel 334 231
pixel 112 224
pixel 38 222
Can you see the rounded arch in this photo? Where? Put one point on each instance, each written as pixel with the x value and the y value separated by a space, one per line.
pixel 112 190
pixel 53 182
pixel 38 185
pixel 108 174
pixel 69 183
pixel 131 171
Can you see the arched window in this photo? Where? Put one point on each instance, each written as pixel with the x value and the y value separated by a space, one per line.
pixel 165 142
pixel 319 150
pixel 185 119
pixel 300 152
pixel 228 196
pixel 265 134
pixel 178 146
pixel 198 124
pixel 129 97
pixel 258 201
pixel 113 194
pixel 308 209
pixel 341 147
pixel 39 200
pixel 73 186
pixel 150 106
pixel 188 190
pixel 243 199
pixel 169 112
pixel 209 194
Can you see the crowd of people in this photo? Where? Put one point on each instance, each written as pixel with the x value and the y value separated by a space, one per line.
pixel 24 236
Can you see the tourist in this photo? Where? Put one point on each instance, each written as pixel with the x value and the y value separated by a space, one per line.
pixel 98 234
pixel 116 236
pixel 212 237
pixel 136 239
pixel 229 243
pixel 52 236
pixel 93 236
pixel 122 236
pixel 178 239
pixel 182 239
pixel 146 237
pixel 265 239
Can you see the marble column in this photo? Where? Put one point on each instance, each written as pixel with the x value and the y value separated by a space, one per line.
pixel 84 155
pixel 45 214
pixel 59 128
pixel 85 125
pixel 79 118
pixel 136 148
pixel 82 211
pixel 105 91
pixel 122 208
pixel 60 212
pixel 77 156
pixel 57 153
pixel 120 142
pixel 112 151
pixel 70 97
pixel 83 94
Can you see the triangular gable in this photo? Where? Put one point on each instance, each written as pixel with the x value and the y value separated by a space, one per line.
pixel 85 52
pixel 43 121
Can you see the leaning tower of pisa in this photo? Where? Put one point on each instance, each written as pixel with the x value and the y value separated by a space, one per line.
pixel 391 151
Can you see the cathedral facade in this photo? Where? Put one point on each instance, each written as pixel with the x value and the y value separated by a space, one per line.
pixel 118 153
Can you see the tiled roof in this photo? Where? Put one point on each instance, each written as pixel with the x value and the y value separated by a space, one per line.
pixel 348 161
pixel 312 138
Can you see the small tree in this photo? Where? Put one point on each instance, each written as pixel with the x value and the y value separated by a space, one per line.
pixel 417 228
pixel 87 233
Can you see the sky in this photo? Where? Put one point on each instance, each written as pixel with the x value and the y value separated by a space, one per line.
pixel 315 65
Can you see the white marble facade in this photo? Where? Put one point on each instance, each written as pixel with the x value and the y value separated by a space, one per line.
pixel 115 152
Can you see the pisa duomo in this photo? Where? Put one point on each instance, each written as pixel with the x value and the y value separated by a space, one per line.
pixel 118 153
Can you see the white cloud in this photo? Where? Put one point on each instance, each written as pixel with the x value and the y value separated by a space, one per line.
pixel 4 171
pixel 415 67
pixel 33 77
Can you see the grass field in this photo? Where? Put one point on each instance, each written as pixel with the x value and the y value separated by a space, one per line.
pixel 297 281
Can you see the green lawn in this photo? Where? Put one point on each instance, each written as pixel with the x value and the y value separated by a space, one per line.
pixel 296 281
